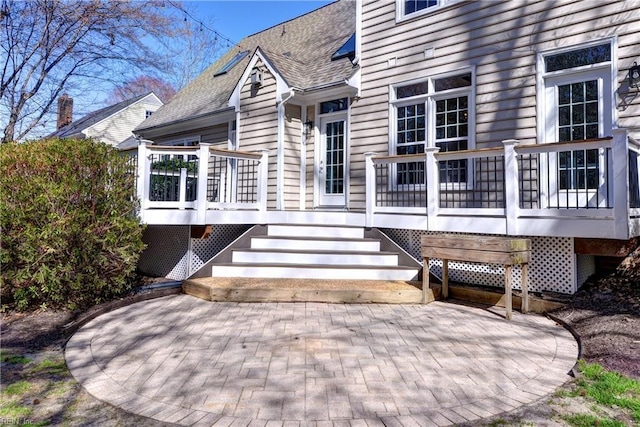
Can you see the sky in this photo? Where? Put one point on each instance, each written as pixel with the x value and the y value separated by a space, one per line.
pixel 236 19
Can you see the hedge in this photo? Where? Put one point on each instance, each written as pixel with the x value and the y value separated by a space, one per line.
pixel 70 235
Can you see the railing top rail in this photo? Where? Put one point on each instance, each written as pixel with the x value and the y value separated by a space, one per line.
pixel 449 155
pixel 222 152
pixel 400 158
pixel 171 147
pixel 470 154
pixel 564 146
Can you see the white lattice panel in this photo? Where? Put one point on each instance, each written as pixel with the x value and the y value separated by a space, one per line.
pixel 551 267
pixel 585 267
pixel 202 250
pixel 167 250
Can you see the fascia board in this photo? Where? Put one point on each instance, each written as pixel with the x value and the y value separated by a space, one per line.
pixel 281 85
pixel 189 124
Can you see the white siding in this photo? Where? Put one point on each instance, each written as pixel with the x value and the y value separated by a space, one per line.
pixel 311 111
pixel 118 127
pixel 292 137
pixel 258 127
pixel 501 41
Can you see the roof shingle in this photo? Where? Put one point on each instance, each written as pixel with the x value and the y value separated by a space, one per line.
pixel 300 49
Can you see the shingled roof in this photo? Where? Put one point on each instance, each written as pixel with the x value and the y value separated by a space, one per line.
pixel 300 49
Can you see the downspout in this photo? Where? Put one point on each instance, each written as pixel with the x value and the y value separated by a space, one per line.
pixel 280 153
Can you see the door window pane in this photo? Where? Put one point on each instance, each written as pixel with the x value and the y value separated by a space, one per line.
pixel 578 117
pixel 334 158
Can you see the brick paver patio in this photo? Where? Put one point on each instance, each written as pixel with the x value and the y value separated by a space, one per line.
pixel 192 362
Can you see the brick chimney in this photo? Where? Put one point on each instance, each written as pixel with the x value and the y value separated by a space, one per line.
pixel 65 110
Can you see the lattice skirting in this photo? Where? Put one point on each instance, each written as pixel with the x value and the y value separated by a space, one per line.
pixel 554 266
pixel 172 253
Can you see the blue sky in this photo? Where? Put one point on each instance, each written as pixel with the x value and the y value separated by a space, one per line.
pixel 236 19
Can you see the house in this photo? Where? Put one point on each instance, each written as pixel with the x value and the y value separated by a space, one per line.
pixel 388 120
pixel 112 125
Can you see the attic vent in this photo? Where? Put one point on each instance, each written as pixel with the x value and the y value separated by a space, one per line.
pixel 256 78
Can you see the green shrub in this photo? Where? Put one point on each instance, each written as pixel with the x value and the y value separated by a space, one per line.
pixel 70 234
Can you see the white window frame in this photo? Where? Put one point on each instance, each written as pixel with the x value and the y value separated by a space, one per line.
pixel 402 16
pixel 547 107
pixel 430 99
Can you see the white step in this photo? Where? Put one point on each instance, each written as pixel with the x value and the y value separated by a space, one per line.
pixel 315 231
pixel 319 257
pixel 315 244
pixel 314 272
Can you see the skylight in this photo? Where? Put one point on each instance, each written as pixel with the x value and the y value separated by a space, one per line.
pixel 229 65
pixel 347 50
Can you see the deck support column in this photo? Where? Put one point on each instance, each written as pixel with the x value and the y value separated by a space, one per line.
pixel 263 185
pixel 619 175
pixel 203 178
pixel 432 177
pixel 370 188
pixel 511 196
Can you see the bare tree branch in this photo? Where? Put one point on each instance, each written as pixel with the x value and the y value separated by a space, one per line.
pixel 50 45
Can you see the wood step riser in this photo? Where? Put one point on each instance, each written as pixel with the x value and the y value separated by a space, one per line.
pixel 292 272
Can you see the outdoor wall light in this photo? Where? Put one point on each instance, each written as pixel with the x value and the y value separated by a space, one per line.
pixel 308 127
pixel 634 75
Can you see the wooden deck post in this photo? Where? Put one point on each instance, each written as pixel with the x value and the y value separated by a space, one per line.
pixel 425 280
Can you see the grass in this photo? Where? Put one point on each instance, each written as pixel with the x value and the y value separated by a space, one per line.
pixel 584 420
pixel 607 389
pixel 18 388
pixel 49 367
pixel 13 358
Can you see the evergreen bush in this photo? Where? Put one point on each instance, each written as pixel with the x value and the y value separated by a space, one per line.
pixel 70 235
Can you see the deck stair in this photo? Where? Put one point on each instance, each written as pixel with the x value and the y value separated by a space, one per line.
pixel 313 252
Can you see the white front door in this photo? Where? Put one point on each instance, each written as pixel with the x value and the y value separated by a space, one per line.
pixel 331 163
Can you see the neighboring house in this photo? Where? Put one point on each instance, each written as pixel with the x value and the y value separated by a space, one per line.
pixel 112 125
pixel 397 119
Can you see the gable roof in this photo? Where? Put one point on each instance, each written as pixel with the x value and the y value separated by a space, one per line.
pixel 77 127
pixel 299 49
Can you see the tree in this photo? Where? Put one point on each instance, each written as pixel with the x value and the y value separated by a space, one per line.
pixel 142 85
pixel 53 45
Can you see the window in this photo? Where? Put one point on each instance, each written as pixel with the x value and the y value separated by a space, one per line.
pixel 229 65
pixel 411 8
pixel 436 112
pixel 347 50
pixel 578 106
pixel 333 106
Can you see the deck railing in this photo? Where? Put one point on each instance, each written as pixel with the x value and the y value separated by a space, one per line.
pixel 597 178
pixel 171 178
